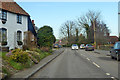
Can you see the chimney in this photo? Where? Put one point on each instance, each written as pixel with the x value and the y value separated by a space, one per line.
pixel 33 24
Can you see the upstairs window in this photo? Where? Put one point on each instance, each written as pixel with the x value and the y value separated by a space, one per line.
pixel 4 15
pixel 19 18
pixel 19 36
pixel 3 34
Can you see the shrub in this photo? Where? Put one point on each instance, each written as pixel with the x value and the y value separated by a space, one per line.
pixel 43 55
pixel 25 47
pixel 9 54
pixel 36 50
pixel 19 56
pixel 15 65
pixel 45 49
pixel 34 55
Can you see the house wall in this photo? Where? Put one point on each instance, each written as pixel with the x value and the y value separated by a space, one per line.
pixel 12 27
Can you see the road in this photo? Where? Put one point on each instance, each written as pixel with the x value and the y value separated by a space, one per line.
pixel 79 64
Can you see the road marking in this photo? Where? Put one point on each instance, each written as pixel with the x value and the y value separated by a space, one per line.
pixel 96 64
pixel 108 74
pixel 113 78
pixel 88 59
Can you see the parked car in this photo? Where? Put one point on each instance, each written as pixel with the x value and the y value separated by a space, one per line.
pixel 82 46
pixel 74 47
pixel 89 47
pixel 115 51
pixel 57 46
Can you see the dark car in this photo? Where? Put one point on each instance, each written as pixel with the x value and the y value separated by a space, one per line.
pixel 89 47
pixel 115 51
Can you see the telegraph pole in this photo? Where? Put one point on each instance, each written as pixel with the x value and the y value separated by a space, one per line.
pixel 94 33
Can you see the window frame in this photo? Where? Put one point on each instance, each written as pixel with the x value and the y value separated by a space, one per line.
pixel 19 35
pixel 4 15
pixel 19 18
pixel 3 37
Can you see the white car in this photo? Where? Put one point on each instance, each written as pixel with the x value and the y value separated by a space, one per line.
pixel 82 46
pixel 74 47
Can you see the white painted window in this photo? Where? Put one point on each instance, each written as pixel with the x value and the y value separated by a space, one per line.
pixel 4 15
pixel 3 34
pixel 19 18
pixel 19 36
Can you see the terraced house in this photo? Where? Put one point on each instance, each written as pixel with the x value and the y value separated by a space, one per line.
pixel 14 23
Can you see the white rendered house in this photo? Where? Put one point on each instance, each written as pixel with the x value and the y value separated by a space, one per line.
pixel 13 24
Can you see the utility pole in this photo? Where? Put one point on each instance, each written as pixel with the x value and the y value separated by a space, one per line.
pixel 94 33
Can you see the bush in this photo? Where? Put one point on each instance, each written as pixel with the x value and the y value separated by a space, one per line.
pixel 43 55
pixel 19 56
pixel 25 47
pixel 34 55
pixel 15 65
pixel 36 50
pixel 45 49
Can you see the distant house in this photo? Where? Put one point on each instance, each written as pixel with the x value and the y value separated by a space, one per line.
pixel 14 22
pixel 112 39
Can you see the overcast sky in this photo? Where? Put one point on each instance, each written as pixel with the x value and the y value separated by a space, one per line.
pixel 56 13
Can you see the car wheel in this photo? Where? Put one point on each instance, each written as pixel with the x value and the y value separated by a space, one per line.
pixel 118 58
pixel 112 57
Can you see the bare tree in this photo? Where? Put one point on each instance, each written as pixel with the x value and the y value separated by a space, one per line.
pixel 67 30
pixel 93 26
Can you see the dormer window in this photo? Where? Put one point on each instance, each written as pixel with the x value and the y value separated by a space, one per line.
pixel 19 18
pixel 4 15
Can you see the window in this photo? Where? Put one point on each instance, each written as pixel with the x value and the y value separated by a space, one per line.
pixel 4 15
pixel 19 19
pixel 19 36
pixel 3 34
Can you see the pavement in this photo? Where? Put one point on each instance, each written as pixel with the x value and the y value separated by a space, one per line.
pixel 80 64
pixel 30 71
pixel 102 52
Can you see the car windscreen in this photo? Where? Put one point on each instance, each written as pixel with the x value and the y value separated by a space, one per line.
pixel 82 45
pixel 89 45
pixel 118 45
pixel 74 45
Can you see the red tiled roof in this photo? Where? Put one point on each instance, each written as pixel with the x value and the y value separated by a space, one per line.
pixel 12 7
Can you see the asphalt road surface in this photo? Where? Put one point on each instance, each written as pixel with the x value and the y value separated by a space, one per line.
pixel 80 64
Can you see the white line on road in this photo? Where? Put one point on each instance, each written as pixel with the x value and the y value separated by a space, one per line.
pixel 113 78
pixel 88 59
pixel 96 64
pixel 108 74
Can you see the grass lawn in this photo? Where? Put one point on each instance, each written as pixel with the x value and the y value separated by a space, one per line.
pixel 3 55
